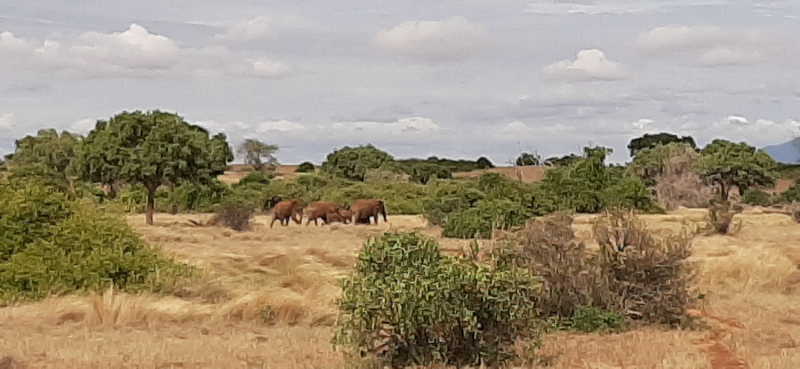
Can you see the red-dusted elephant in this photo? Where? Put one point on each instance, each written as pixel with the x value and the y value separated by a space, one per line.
pixel 365 208
pixel 287 209
pixel 327 211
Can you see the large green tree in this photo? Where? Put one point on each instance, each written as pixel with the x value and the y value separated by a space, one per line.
pixel 353 163
pixel 152 148
pixel 740 165
pixel 653 140
pixel 258 154
pixel 47 154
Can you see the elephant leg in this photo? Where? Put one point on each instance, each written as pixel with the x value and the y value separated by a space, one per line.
pixel 274 218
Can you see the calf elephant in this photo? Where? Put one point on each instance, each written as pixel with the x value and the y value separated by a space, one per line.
pixel 365 208
pixel 287 209
pixel 342 216
pixel 326 211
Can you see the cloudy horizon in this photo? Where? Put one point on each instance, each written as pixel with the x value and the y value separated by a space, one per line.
pixel 417 78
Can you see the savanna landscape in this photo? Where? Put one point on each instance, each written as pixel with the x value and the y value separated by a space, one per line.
pixel 139 246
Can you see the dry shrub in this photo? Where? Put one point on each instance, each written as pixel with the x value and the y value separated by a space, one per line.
pixel 633 274
pixel 676 185
pixel 651 276
pixel 720 217
pixel 234 217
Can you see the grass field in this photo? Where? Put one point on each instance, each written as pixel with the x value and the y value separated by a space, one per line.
pixel 751 281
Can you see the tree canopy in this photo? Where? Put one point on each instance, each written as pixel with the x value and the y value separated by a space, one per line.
pixel 729 164
pixel 526 159
pixel 353 163
pixel 653 140
pixel 258 154
pixel 48 154
pixel 152 149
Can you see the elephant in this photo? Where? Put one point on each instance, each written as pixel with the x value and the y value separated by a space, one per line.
pixel 365 208
pixel 326 211
pixel 343 216
pixel 287 209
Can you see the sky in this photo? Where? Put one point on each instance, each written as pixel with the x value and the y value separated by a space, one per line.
pixel 456 79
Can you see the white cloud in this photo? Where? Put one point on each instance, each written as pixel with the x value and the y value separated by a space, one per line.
pixel 715 47
pixel 569 95
pixel 135 52
pixel 589 65
pixel 570 7
pixel 454 39
pixel 280 126
pixel 644 124
pixel 269 68
pixel 83 126
pixel 725 55
pixel 680 38
pixel 6 123
pixel 215 127
pixel 733 120
pixel 253 29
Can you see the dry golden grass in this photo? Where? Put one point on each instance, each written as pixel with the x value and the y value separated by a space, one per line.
pixel 268 301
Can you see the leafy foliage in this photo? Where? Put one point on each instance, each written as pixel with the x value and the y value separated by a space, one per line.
pixel 51 244
pixel 590 319
pixel 589 186
pixel 729 164
pixel 152 149
pixel 423 173
pixel 305 167
pixel 526 158
pixel 258 154
pixel 353 163
pixel 47 148
pixel 650 141
pixel 792 194
pixel 408 304
pixel 454 166
pixel 756 197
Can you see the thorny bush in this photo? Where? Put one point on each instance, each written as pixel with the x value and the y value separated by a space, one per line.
pixel 633 274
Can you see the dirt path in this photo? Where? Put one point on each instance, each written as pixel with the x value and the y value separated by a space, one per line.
pixel 721 356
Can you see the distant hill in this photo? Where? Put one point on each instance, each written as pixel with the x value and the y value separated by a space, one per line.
pixel 787 152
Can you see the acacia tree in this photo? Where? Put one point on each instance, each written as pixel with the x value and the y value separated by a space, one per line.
pixel 46 154
pixel 258 154
pixel 353 163
pixel 649 141
pixel 740 165
pixel 152 149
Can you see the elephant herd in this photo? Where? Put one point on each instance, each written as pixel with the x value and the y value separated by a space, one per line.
pixel 359 213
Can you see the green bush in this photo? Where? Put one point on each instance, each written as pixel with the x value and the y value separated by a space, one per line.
pixel 480 220
pixel 756 197
pixel 254 178
pixel 305 167
pixel 590 319
pixel 407 304
pixel 51 244
pixel 423 173
pixel 792 194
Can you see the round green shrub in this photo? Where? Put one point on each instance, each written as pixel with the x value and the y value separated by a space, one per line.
pixel 52 244
pixel 305 167
pixel 756 197
pixel 434 308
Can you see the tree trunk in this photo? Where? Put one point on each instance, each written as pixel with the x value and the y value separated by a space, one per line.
pixel 151 204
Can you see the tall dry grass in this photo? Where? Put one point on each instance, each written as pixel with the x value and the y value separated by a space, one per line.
pixel 267 301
